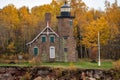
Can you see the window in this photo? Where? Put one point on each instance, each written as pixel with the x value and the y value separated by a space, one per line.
pixel 65 37
pixel 65 49
pixel 71 22
pixel 35 51
pixel 43 38
pixel 52 52
pixel 52 39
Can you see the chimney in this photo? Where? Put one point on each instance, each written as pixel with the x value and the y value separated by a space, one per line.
pixel 48 19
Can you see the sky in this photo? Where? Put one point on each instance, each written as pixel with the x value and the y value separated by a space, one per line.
pixel 96 4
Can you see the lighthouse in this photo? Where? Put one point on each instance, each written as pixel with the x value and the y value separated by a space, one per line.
pixel 67 45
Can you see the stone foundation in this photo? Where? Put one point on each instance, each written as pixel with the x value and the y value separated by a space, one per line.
pixel 47 73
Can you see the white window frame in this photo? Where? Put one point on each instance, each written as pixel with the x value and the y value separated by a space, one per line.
pixel 52 54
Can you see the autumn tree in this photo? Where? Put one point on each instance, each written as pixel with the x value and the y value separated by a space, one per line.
pixel 11 48
pixel 10 21
pixel 20 26
pixel 113 17
pixel 90 36
pixel 28 24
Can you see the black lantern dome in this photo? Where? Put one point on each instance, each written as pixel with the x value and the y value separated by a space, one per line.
pixel 65 11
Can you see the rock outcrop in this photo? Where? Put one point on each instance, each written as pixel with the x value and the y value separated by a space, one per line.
pixel 48 73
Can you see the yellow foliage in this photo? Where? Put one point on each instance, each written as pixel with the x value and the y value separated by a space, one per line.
pixel 35 60
pixel 10 15
pixel 16 23
pixel 91 32
pixel 72 66
pixel 11 47
pixel 116 65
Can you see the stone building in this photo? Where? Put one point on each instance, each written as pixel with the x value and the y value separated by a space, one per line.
pixel 58 45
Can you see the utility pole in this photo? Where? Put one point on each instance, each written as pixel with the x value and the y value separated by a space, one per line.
pixel 99 62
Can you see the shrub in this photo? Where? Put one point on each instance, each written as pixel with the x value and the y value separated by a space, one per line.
pixel 116 65
pixel 11 47
pixel 25 56
pixel 35 60
pixel 72 66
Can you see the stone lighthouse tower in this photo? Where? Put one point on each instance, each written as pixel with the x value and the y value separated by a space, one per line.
pixel 67 46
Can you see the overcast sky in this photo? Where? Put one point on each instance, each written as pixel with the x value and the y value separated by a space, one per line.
pixel 97 4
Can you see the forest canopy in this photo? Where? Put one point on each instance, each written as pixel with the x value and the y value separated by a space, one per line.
pixel 19 26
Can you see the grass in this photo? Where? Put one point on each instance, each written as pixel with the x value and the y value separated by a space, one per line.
pixel 83 64
pixel 24 64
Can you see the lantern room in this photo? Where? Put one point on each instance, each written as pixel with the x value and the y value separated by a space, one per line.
pixel 65 10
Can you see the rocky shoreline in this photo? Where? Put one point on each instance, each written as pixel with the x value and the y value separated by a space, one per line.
pixel 49 73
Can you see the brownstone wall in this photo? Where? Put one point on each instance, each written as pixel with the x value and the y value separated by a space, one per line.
pixel 65 29
pixel 44 49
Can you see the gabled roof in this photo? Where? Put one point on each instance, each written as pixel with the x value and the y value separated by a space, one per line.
pixel 46 31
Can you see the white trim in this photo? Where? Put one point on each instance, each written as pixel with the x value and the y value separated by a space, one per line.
pixel 52 36
pixel 52 53
pixel 53 31
pixel 42 32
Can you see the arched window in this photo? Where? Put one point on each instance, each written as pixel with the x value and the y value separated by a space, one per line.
pixel 35 51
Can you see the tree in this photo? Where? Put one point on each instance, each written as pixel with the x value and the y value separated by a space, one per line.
pixel 27 26
pixel 113 17
pixel 9 22
pixel 90 35
pixel 11 48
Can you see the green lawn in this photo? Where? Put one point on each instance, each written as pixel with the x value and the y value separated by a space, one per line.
pixel 83 64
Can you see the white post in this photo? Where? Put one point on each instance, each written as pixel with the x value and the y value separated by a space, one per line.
pixel 99 63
